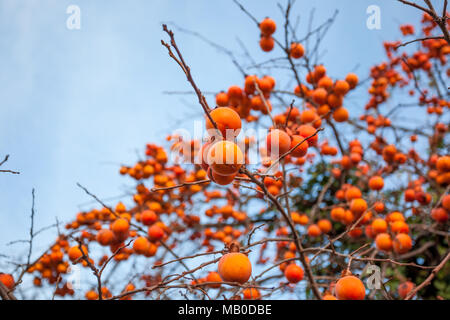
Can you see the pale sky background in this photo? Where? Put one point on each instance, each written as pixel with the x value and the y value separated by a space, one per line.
pixel 77 103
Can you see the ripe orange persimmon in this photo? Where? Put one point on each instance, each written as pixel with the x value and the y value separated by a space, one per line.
pixel 358 206
pixel 323 110
pixel 91 295
pixel 324 225
pixel 379 206
pixel 222 99
pixel 235 267
pixel 278 142
pixel 389 152
pixel 7 279
pixel 297 50
pixel 341 87
pixel 439 215
pixel 376 183
pixel 105 237
pixel 443 164
pixel 355 233
pixel 402 243
pixel 308 115
pixel 399 227
pixel 352 80
pixel 120 226
pixel 148 217
pixel 422 197
pixel 251 294
pixel 334 100
pixel 314 230
pixel 301 91
pixel 367 217
pixel 319 71
pixel 395 216
pixel 326 83
pixel 120 208
pixel 405 288
pixel 410 195
pixel 155 232
pixel 152 250
pixel 227 120
pixel 56 256
pixel 337 214
pixel 75 253
pixel 266 83
pixel 348 218
pixel 383 242
pixel 266 43
pixel 350 288
pixel 306 131
pixel 250 84
pixel 214 277
pixel 340 114
pixel 303 219
pixel 295 216
pixel 141 245
pixel 256 103
pixel 301 149
pixel 368 231
pixel 328 297
pixel 446 202
pixel 235 94
pixel 225 158
pixel 353 193
pixel 293 273
pixel 320 96
pixel 379 225
pixel 220 179
pixel 274 190
pixel 267 26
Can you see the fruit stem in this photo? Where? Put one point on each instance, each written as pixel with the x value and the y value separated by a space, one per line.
pixel 234 247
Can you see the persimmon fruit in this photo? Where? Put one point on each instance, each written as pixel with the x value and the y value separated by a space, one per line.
pixel 267 26
pixel 293 273
pixel 235 267
pixel 225 158
pixel 350 288
pixel 278 142
pixel 228 122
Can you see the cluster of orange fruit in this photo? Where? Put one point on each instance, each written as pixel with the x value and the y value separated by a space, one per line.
pixel 385 75
pixel 267 28
pixel 244 100
pixel 440 169
pixel 145 169
pixel 52 264
pixel 225 234
pixel 355 156
pixel 327 96
pixel 374 123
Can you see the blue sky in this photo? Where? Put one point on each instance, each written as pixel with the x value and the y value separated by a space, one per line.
pixel 78 103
